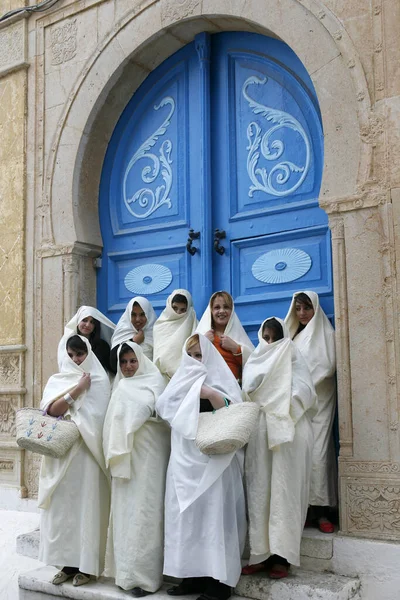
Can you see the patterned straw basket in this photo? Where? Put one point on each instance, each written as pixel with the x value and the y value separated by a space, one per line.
pixel 227 429
pixel 39 432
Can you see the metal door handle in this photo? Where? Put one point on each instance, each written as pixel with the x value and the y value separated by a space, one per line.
pixel 193 235
pixel 219 235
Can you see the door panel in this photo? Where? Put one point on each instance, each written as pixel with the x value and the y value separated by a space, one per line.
pixel 149 192
pixel 266 176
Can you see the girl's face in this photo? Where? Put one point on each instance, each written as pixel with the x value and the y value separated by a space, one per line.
pixel 138 317
pixel 304 313
pixel 179 307
pixel 268 335
pixel 195 352
pixel 129 364
pixel 86 326
pixel 221 312
pixel 78 356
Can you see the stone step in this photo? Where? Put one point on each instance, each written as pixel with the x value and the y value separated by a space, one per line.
pixel 316 548
pixel 300 585
pixel 27 544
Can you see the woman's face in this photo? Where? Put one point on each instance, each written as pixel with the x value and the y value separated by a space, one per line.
pixel 195 352
pixel 86 326
pixel 138 317
pixel 78 356
pixel 221 312
pixel 179 307
pixel 304 313
pixel 268 335
pixel 129 364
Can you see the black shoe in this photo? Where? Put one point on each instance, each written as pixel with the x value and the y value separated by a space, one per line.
pixel 182 589
pixel 139 592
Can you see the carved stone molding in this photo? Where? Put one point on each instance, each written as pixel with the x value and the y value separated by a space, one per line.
pixel 373 510
pixel 13 47
pixel 359 468
pixel 11 371
pixel 64 42
pixel 32 468
pixel 10 467
pixel 174 10
pixel 368 198
pixel 8 407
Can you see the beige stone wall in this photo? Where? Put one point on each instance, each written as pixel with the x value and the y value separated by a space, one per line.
pixel 86 60
pixel 13 95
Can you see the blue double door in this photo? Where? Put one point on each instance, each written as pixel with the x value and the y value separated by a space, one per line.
pixel 211 181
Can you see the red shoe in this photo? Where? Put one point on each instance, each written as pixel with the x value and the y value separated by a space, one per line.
pixel 325 526
pixel 250 569
pixel 278 571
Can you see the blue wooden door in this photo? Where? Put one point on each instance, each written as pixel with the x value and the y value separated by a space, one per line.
pixel 226 134
pixel 151 193
pixel 266 176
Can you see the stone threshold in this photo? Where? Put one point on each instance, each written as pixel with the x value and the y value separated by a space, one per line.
pixel 300 585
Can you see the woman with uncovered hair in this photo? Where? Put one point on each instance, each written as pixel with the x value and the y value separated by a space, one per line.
pixel 136 325
pixel 136 448
pixel 176 323
pixel 278 455
pixel 74 491
pixel 93 325
pixel 314 336
pixel 205 520
pixel 221 325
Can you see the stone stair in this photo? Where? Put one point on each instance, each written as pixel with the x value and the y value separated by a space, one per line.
pixel 300 585
pixel 312 582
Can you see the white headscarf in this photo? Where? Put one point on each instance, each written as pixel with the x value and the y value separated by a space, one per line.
pixel 132 404
pixel 316 341
pixel 194 472
pixel 277 378
pixel 170 333
pixel 124 330
pixel 106 327
pixel 88 413
pixel 234 329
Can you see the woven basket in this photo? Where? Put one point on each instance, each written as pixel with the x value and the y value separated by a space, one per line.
pixel 39 432
pixel 227 429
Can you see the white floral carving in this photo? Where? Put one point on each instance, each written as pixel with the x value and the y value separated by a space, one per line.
pixel 282 172
pixel 148 279
pixel 281 265
pixel 146 197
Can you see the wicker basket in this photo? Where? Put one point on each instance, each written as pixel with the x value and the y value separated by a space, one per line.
pixel 39 432
pixel 227 429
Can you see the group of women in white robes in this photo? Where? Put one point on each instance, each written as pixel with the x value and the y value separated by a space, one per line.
pixel 197 367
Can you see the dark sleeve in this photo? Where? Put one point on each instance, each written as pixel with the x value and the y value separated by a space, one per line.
pixel 205 405
pixel 113 359
pixel 102 351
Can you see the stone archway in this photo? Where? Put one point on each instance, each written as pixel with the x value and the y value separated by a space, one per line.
pixel 135 45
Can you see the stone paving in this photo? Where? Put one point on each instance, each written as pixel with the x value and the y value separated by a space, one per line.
pixel 12 524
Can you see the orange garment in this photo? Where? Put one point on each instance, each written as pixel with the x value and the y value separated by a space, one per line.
pixel 233 362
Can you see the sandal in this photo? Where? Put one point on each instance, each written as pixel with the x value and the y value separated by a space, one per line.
pixel 278 571
pixel 139 592
pixel 80 579
pixel 60 577
pixel 250 569
pixel 325 526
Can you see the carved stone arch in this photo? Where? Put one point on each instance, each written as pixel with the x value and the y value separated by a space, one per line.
pixel 121 63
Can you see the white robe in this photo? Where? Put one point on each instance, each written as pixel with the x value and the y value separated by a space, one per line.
pixel 316 343
pixel 124 330
pixel 234 329
pixel 205 521
pixel 278 455
pixel 170 333
pixel 74 490
pixel 136 448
